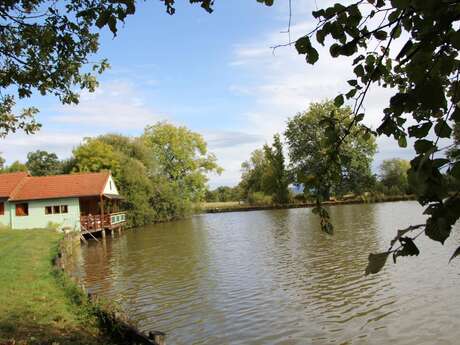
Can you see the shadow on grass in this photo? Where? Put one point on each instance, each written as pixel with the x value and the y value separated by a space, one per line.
pixel 20 329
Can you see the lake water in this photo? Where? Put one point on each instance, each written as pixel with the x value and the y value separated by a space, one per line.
pixel 272 277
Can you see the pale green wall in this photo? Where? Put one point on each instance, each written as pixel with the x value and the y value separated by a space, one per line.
pixel 5 218
pixel 38 219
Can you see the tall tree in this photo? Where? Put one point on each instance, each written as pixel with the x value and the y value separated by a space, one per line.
pixel 309 140
pixel 183 162
pixel 276 181
pixel 252 173
pixel 393 174
pixel 95 155
pixel 41 163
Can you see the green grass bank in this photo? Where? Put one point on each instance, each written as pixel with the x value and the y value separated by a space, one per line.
pixel 38 303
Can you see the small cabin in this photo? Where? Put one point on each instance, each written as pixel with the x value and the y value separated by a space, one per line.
pixel 87 202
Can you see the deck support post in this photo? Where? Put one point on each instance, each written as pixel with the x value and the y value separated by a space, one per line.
pixel 158 337
pixel 103 233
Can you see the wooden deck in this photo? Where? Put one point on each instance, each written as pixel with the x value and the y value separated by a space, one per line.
pixel 97 222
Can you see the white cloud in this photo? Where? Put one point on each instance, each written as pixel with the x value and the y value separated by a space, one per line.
pixel 16 146
pixel 115 106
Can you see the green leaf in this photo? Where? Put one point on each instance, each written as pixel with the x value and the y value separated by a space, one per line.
pixel 402 142
pixel 423 145
pixel 359 70
pixel 420 131
pixel 320 36
pixel 442 129
pixel 312 56
pixel 112 24
pixel 338 101
pixel 438 228
pixel 303 44
pixel 376 262
pixel 408 247
pixel 335 50
pixel 381 35
pixel 359 118
pixel 102 19
pixel 351 93
pixel 352 82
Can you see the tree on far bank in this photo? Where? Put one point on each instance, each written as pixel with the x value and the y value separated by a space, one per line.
pixel 94 155
pixel 393 176
pixel 16 166
pixel 275 181
pixel 182 157
pixel 309 143
pixel 42 163
pixel 223 194
pixel 252 173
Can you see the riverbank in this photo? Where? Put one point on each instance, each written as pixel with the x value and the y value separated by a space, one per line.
pixel 38 303
pixel 234 206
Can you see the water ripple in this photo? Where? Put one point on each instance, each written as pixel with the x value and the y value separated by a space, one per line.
pixel 272 277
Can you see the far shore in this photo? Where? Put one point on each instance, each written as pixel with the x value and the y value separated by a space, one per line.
pixel 235 206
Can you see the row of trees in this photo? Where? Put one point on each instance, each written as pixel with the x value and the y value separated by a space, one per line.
pixel 266 176
pixel 161 174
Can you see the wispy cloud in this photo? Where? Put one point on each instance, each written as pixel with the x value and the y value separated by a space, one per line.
pixel 115 106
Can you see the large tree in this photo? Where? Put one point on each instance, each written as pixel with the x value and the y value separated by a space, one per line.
pixel 95 155
pixel 393 175
pixel 41 163
pixel 309 141
pixel 276 180
pixel 183 163
pixel 252 173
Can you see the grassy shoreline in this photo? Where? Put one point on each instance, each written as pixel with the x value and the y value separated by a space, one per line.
pixel 39 304
pixel 234 206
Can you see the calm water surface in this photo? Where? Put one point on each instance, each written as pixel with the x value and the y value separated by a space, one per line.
pixel 272 277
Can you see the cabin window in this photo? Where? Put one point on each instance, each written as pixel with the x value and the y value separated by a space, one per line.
pixel 56 209
pixel 22 209
pixel 2 208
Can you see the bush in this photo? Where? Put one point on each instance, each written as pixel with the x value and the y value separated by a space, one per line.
pixel 259 198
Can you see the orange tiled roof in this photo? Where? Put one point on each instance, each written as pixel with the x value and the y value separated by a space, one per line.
pixel 8 182
pixel 57 186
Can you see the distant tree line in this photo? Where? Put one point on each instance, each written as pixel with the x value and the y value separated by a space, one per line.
pixel 268 179
pixel 161 174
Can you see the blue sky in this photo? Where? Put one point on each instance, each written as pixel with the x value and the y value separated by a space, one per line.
pixel 214 73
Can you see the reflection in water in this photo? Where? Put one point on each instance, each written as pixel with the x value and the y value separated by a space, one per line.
pixel 271 277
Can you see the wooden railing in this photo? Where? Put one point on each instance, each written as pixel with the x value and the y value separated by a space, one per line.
pixel 97 222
